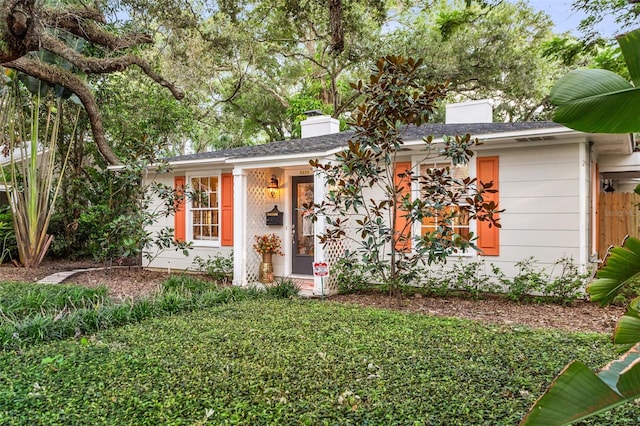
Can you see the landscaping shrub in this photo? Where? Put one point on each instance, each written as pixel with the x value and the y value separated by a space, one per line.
pixel 469 277
pixel 528 281
pixel 562 287
pixel 283 288
pixel 563 284
pixel 432 283
pixel 219 267
pixel 350 276
pixel 295 362
pixel 569 284
pixel 34 313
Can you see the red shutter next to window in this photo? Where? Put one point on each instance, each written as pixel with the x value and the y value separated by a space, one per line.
pixel 401 222
pixel 180 216
pixel 488 237
pixel 226 209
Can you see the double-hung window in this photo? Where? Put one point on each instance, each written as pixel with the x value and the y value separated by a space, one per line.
pixel 205 208
pixel 205 217
pixel 460 213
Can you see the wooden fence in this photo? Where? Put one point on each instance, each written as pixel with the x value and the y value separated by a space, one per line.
pixel 618 217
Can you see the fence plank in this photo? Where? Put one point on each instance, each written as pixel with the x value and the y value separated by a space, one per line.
pixel 618 217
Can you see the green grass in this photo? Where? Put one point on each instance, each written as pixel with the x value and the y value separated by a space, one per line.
pixel 283 362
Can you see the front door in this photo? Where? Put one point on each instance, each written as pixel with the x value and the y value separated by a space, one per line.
pixel 302 241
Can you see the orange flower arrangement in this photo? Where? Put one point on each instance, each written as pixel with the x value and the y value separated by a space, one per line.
pixel 268 243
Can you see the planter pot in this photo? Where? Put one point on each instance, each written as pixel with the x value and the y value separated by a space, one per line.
pixel 267 257
pixel 265 274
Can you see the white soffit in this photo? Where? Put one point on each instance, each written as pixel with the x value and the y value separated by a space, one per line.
pixel 530 135
pixel 607 143
pixel 619 163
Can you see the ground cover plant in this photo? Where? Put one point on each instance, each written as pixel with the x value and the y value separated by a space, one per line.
pixel 293 362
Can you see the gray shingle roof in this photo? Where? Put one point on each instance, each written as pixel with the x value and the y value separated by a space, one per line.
pixel 337 140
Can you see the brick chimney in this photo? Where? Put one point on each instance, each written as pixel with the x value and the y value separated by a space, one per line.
pixel 318 124
pixel 470 112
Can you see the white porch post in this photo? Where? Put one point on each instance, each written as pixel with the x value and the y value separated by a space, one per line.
pixel 583 209
pixel 239 227
pixel 320 192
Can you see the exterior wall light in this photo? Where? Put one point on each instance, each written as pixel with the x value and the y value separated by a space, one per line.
pixel 272 188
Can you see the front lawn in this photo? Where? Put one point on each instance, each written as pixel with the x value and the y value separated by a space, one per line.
pixel 293 362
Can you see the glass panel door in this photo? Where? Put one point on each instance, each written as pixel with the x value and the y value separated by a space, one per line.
pixel 303 238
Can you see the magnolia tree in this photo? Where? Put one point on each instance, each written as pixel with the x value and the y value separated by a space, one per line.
pixel 380 228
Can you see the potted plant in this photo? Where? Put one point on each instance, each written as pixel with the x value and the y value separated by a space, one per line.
pixel 267 245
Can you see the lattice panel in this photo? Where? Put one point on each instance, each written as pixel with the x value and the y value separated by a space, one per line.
pixel 256 225
pixel 333 252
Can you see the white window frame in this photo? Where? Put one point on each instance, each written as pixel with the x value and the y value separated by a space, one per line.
pixel 415 193
pixel 190 209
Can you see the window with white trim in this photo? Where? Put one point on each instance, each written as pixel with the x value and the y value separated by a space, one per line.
pixel 460 223
pixel 204 209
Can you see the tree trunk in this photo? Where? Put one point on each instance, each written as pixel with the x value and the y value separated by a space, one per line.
pixel 337 30
pixel 18 30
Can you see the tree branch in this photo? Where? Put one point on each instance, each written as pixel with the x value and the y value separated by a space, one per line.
pixel 82 23
pixel 54 75
pixel 105 65
pixel 273 92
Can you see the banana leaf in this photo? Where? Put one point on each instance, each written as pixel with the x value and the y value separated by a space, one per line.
pixel 578 393
pixel 622 268
pixel 600 101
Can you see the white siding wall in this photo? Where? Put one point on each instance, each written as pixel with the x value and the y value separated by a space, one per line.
pixel 171 258
pixel 544 191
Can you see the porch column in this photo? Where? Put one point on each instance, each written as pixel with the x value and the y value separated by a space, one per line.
pixel 240 227
pixel 320 192
pixel 583 209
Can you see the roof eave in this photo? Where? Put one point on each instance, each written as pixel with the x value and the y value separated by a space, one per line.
pixel 511 135
pixel 303 156
pixel 192 162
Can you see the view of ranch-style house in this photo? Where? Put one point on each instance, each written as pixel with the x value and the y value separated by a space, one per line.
pixel 555 185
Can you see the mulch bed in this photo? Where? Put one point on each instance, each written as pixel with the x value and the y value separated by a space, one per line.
pixel 133 282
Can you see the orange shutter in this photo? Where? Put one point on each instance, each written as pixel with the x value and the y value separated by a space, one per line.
pixel 402 225
pixel 488 237
pixel 226 210
pixel 180 216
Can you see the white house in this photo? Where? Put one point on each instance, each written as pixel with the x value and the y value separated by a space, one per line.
pixel 549 178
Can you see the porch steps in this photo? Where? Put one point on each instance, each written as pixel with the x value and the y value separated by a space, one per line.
pixel 306 286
